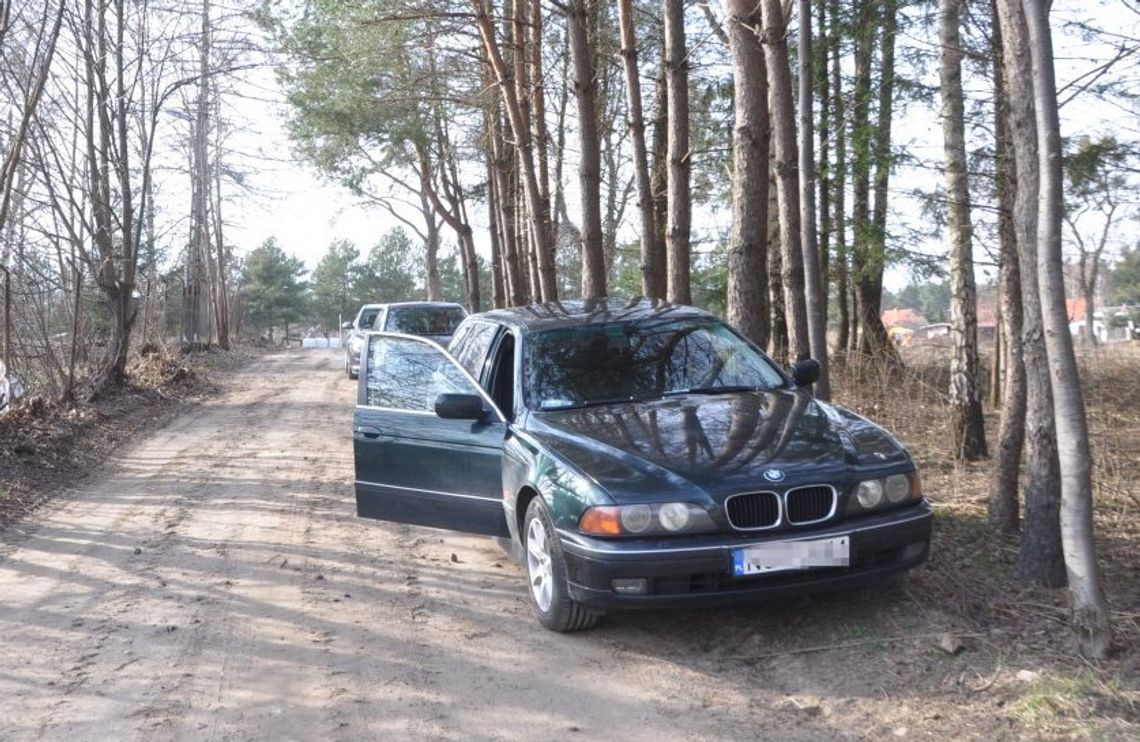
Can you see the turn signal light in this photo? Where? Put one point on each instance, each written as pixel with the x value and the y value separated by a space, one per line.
pixel 602 520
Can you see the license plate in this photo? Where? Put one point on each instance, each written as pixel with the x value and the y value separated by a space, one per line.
pixel 784 556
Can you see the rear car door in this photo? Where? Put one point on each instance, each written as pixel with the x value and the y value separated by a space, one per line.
pixel 413 466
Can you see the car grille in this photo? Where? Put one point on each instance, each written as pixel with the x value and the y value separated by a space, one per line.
pixel 809 504
pixel 753 510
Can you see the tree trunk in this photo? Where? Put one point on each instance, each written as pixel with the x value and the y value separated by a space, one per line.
pixel 514 273
pixel 821 83
pixel 1004 503
pixel 815 294
pixel 862 263
pixel 455 217
pixel 872 145
pixel 431 249
pixel 538 94
pixel 222 293
pixel 778 337
pixel 679 156
pixel 839 183
pixel 198 260
pixel 539 222
pixel 659 175
pixel 967 424
pixel 780 102
pixel 1088 291
pixel 589 155
pixel 747 300
pixel 652 281
pixel 498 279
pixel 1040 560
pixel 1090 620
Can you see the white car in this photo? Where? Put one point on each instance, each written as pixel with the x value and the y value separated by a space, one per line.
pixel 431 319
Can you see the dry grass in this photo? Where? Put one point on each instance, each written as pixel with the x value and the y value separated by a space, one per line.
pixel 970 574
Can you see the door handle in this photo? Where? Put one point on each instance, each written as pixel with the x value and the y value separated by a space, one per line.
pixel 367 432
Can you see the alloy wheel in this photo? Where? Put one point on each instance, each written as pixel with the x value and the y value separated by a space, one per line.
pixel 538 564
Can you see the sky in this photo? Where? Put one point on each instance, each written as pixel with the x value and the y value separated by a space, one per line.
pixel 288 200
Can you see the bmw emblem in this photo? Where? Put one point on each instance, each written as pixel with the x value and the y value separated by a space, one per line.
pixel 774 475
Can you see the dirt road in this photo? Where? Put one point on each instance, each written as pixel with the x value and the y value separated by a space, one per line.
pixel 213 583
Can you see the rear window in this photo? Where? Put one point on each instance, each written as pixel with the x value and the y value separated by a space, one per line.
pixel 428 321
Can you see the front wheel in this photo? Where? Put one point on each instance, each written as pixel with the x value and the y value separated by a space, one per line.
pixel 546 575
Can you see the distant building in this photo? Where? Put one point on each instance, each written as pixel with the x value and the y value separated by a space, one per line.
pixel 905 317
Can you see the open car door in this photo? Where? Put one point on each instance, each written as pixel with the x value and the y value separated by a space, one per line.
pixel 427 440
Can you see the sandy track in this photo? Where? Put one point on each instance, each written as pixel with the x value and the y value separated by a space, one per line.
pixel 213 583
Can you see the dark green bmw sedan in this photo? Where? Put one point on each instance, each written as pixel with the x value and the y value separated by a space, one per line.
pixel 636 454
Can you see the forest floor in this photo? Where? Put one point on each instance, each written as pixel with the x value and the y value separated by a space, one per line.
pixel 183 561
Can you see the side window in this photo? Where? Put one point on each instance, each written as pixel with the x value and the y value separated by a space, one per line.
pixel 405 374
pixel 473 352
pixel 502 386
pixel 459 338
pixel 367 317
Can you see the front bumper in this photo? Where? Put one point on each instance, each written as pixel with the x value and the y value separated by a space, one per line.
pixel 698 570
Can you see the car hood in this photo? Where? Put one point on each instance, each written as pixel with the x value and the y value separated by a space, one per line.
pixel 714 445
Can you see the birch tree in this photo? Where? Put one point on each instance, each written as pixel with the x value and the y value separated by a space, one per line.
pixel 967 424
pixel 1090 619
pixel 1040 559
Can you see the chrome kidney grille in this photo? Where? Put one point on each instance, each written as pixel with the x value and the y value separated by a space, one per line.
pixel 799 506
pixel 753 511
pixel 810 504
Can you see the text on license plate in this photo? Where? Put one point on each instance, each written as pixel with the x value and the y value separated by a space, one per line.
pixel 781 556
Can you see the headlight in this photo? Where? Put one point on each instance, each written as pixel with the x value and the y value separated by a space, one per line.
pixel 869 493
pixel 897 487
pixel 646 520
pixel 876 494
pixel 674 516
pixel 636 518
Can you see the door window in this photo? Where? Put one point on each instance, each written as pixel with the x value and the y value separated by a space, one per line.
pixel 472 353
pixel 408 374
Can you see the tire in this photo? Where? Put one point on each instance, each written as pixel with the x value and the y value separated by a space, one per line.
pixel 546 575
pixel 348 367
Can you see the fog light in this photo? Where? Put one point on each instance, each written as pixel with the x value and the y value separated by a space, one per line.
pixel 913 550
pixel 630 585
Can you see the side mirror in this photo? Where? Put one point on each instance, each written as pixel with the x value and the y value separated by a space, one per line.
pixel 460 407
pixel 346 326
pixel 805 372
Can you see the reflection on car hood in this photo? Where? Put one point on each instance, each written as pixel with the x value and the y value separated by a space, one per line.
pixel 715 444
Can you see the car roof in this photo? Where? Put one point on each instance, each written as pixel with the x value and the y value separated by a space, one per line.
pixel 440 304
pixel 575 312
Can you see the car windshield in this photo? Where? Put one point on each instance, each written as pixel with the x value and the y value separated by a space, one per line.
pixel 433 321
pixel 596 364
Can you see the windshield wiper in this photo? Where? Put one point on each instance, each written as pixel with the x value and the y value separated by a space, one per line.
pixel 598 402
pixel 714 390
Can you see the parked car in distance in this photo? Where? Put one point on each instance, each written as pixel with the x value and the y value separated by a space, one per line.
pixel 636 454
pixel 431 319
